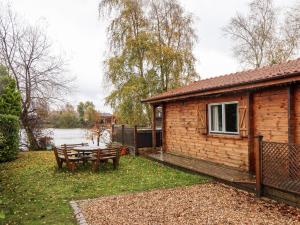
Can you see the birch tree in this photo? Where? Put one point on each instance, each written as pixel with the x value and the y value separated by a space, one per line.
pixel 261 37
pixel 174 39
pixel 150 51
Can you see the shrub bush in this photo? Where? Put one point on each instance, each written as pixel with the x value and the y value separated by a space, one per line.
pixel 9 137
pixel 10 98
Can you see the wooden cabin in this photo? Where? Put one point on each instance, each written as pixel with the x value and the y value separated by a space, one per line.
pixel 107 119
pixel 220 119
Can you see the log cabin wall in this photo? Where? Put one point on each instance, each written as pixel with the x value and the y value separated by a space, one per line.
pixel 270 115
pixel 270 109
pixel 184 133
pixel 271 120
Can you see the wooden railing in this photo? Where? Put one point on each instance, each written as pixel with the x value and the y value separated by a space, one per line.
pixel 135 137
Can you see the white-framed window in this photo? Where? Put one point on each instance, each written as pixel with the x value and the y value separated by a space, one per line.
pixel 223 117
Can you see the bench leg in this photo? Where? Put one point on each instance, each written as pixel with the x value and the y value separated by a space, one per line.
pixel 115 163
pixel 59 163
pixel 95 166
pixel 71 166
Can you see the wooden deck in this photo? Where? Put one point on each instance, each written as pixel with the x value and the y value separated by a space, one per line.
pixel 207 168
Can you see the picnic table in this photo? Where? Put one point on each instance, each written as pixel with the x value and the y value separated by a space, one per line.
pixel 74 153
pixel 86 149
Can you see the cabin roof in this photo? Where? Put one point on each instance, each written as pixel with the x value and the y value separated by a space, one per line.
pixel 106 114
pixel 276 71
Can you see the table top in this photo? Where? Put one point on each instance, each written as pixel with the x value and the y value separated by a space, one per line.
pixel 86 148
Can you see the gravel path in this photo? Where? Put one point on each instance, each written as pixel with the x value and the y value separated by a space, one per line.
pixel 211 203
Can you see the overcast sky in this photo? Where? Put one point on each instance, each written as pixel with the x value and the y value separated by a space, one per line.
pixel 76 30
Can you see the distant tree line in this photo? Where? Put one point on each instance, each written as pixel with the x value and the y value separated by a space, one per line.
pixel 85 116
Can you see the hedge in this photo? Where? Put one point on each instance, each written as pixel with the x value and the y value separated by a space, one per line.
pixel 10 98
pixel 9 137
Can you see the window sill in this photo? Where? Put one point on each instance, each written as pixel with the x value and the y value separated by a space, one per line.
pixel 227 136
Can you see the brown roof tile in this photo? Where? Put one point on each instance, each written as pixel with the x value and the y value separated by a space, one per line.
pixel 234 79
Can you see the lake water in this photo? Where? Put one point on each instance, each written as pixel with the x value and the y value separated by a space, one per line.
pixel 74 136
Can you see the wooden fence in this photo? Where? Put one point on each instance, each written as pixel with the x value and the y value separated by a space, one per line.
pixel 281 166
pixel 135 137
pixel 279 169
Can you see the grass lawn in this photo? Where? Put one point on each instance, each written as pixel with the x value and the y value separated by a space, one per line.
pixel 33 191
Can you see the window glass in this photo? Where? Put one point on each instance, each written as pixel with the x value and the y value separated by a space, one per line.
pixel 216 118
pixel 231 117
pixel 224 117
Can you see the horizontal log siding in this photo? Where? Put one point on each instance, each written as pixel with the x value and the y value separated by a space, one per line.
pixel 271 115
pixel 297 115
pixel 182 137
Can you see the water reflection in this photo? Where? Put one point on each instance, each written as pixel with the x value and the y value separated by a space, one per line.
pixel 72 136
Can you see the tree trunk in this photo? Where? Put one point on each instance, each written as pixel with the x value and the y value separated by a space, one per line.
pixel 32 140
pixel 33 143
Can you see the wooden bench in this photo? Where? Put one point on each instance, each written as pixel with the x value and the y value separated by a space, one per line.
pixel 103 155
pixel 114 145
pixel 63 155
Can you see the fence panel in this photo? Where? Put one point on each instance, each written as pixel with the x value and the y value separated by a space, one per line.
pixel 117 133
pixel 281 166
pixel 144 137
pixel 129 136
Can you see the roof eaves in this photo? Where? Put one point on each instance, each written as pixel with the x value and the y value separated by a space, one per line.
pixel 158 99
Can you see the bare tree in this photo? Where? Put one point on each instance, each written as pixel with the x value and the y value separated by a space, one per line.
pixel 26 51
pixel 261 38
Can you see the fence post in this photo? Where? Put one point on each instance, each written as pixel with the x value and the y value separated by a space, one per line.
pixel 98 138
pixel 123 134
pixel 259 167
pixel 135 140
pixel 112 132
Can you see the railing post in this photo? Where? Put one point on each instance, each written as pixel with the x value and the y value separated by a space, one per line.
pixel 163 127
pixel 98 137
pixel 154 126
pixel 136 150
pixel 112 132
pixel 123 134
pixel 292 161
pixel 259 155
